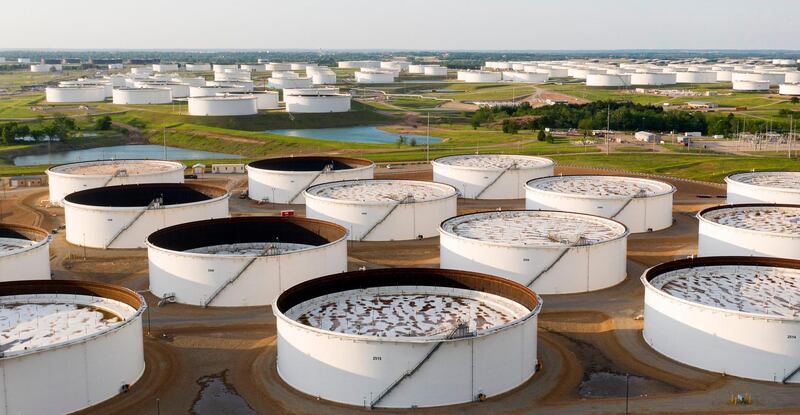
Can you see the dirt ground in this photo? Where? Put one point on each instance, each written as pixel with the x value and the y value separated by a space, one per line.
pixel 587 342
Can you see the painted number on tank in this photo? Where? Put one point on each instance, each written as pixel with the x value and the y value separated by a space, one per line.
pixel 377 358
pixel 791 337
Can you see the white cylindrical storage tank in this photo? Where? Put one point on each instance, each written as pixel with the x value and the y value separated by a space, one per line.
pixel 322 77
pixel 213 90
pixel 383 210
pixel 191 81
pixel 283 179
pixel 789 89
pixel 434 70
pixel 222 67
pixel 643 205
pixel 283 83
pixel 69 178
pixel 45 68
pixel 490 176
pixel 374 77
pixel 706 77
pixel 309 102
pixel 764 187
pixel 75 94
pixel 285 75
pixel 481 76
pixel 551 252
pixel 142 96
pixel 298 66
pixel 117 80
pixel 242 261
pixel 177 90
pixel 792 77
pixel 724 75
pixel 106 84
pixel 419 320
pixel 416 69
pixel 223 106
pixel 76 344
pixel 731 315
pixel 750 86
pixel 123 216
pixel 266 100
pixel 653 78
pixel 525 77
pixel 165 67
pixel 24 253
pixel 198 67
pixel 556 72
pixel 605 80
pixel 243 86
pixel 768 230
pixel 253 67
pixel 278 66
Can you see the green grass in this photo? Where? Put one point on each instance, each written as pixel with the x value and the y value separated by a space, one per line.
pixel 705 167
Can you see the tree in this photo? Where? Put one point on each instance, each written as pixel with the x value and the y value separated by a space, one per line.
pixel 103 123
pixel 401 140
pixel 413 142
pixel 541 136
pixel 510 126
pixel 585 125
pixel 795 100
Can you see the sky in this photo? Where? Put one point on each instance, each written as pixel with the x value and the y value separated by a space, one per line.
pixel 400 24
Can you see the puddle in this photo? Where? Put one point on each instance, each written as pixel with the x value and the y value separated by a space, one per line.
pixel 218 397
pixel 612 385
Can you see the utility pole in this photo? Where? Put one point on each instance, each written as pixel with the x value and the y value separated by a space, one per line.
pixel 791 134
pixel 165 142
pixel 608 130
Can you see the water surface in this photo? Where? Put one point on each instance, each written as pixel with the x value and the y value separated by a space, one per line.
pixel 371 135
pixel 129 151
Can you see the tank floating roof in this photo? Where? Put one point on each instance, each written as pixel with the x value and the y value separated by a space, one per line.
pixel 534 227
pixel 767 287
pixel 309 163
pixel 109 167
pixel 246 230
pixel 494 161
pixel 28 233
pixel 601 186
pixel 45 314
pixel 141 195
pixel 409 289
pixel 781 219
pixel 774 179
pixel 382 190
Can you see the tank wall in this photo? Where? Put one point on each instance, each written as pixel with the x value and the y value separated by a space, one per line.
pixel 717 240
pixel 45 382
pixel 31 264
pixel 60 186
pixel 194 278
pixel 279 187
pixel 222 107
pixel 355 372
pixel 317 104
pixel 639 215
pixel 582 269
pixel 407 221
pixel 739 193
pixel 88 94
pixel 95 227
pixel 141 97
pixel 266 101
pixel 719 341
pixel 469 181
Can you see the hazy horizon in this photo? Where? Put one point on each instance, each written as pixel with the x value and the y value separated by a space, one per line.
pixel 469 25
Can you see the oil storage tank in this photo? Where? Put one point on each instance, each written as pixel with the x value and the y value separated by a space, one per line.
pixel 123 216
pixel 643 205
pixel 88 93
pixel 764 187
pixel 383 210
pixel 68 178
pixel 551 252
pixel 24 253
pixel 283 179
pixel 223 105
pixel 242 261
pixel 769 230
pixel 733 315
pixel 75 344
pixel 316 101
pixel 490 176
pixel 141 96
pixel 405 338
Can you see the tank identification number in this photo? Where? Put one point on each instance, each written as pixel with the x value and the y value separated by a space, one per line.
pixel 377 358
pixel 792 337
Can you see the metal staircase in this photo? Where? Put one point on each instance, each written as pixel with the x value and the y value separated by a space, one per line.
pixel 118 173
pixel 327 169
pixel 391 210
pixel 641 193
pixel 579 242
pixel 513 166
pixel 791 375
pixel 154 204
pixel 461 330
pixel 229 281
